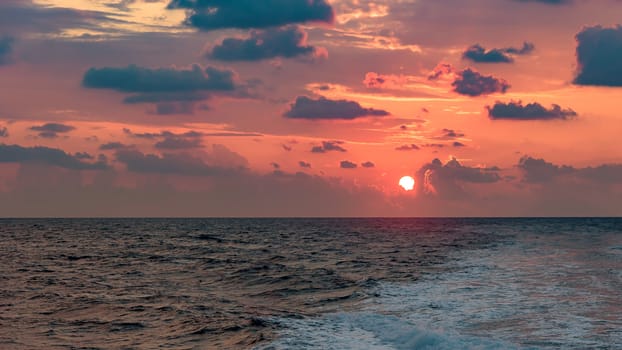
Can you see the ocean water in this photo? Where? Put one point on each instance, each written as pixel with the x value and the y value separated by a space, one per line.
pixel 311 284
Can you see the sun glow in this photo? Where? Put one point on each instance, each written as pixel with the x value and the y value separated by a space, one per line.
pixel 407 183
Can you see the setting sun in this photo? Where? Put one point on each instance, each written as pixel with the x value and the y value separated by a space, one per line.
pixel 407 183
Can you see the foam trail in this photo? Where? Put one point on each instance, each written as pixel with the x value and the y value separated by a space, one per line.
pixel 372 331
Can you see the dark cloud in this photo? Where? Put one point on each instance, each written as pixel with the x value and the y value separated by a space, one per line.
pixel 4 132
pixel 219 14
pixel 537 170
pixel 345 164
pixel 605 173
pixel 83 155
pixel 46 156
pixel 304 164
pixel 162 134
pixel 532 111
pixel 599 56
pixel 328 146
pixel 176 143
pixel 160 80
pixel 172 91
pixel 168 163
pixel 477 53
pixel 458 144
pixel 447 180
pixel 448 134
pixel 368 165
pixel 411 147
pixel 51 130
pixel 167 140
pixel 287 42
pixel 469 82
pixel 433 145
pixel 235 194
pixel 53 127
pixel 110 146
pixel 323 108
pixel 472 83
pixel 6 49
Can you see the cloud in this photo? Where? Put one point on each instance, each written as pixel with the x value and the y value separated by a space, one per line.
pixel 472 83
pixel 433 145
pixel 442 69
pixel 171 90
pixel 345 164
pixel 458 144
pixel 162 134
pixel 160 80
pixel 447 180
pixel 599 56
pixel 532 111
pixel 210 15
pixel 448 134
pixel 168 163
pixel 537 170
pixel 53 127
pixel 477 53
pixel 51 130
pixel 176 143
pixel 4 132
pixel 237 194
pixel 167 140
pixel 368 165
pixel 468 81
pixel 287 42
pixel 113 146
pixel 83 155
pixel 46 156
pixel 411 147
pixel 6 49
pixel 328 146
pixel 304 164
pixel 323 108
pixel 375 80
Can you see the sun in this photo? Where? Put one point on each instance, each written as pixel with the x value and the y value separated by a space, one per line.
pixel 407 183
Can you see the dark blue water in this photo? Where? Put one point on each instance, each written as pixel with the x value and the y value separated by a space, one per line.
pixel 311 283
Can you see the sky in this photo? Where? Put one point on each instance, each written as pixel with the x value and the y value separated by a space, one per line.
pixel 193 108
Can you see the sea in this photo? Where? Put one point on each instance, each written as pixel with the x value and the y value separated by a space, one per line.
pixel 334 283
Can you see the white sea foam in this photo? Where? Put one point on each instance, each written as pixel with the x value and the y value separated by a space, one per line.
pixel 370 331
pixel 556 291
